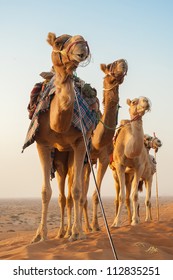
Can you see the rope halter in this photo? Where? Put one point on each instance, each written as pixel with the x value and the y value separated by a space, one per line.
pixel 117 76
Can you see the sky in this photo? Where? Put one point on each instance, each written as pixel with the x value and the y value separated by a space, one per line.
pixel 138 31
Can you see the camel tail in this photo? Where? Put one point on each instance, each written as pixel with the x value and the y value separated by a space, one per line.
pixel 140 186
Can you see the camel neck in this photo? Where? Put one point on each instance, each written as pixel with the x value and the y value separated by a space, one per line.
pixel 61 108
pixel 105 129
pixel 135 142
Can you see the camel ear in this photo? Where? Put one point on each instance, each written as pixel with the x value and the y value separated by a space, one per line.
pixel 128 101
pixel 103 67
pixel 51 37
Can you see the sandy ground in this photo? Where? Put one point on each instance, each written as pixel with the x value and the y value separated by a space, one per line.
pixel 19 219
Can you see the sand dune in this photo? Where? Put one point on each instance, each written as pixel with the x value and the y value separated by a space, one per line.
pixel 149 241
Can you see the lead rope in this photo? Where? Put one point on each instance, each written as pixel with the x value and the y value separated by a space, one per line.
pixel 157 188
pixel 92 170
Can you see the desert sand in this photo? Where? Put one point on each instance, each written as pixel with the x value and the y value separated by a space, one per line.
pixel 19 219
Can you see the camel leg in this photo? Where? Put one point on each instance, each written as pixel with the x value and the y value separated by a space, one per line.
pixel 86 176
pixel 102 167
pixel 60 164
pixel 148 185
pixel 45 159
pixel 79 154
pixel 121 178
pixel 69 201
pixel 117 192
pixel 134 196
pixel 62 204
pixel 128 182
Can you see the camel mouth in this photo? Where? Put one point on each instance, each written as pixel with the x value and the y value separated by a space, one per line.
pixel 118 69
pixel 122 67
pixel 78 51
pixel 144 103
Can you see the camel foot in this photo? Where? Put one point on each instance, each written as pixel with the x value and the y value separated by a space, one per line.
pixel 88 229
pixel 77 236
pixel 68 233
pixel 114 225
pixel 61 233
pixel 38 238
pixel 95 226
pixel 134 222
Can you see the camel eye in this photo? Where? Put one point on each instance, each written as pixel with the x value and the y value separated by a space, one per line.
pixel 57 44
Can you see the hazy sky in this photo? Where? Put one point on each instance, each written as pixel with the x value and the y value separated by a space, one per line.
pixel 139 31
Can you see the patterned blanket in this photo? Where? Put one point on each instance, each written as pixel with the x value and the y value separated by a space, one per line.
pixel 89 117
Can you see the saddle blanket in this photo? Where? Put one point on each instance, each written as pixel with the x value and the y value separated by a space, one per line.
pixel 89 117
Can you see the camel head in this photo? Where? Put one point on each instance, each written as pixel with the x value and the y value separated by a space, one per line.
pixel 152 142
pixel 138 107
pixel 115 71
pixel 68 51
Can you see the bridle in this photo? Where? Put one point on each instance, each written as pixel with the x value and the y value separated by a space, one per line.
pixel 64 52
pixel 117 78
pixel 150 143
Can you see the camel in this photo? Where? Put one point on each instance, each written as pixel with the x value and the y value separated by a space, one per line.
pixel 101 146
pixel 147 176
pixel 151 142
pixel 56 129
pixel 130 152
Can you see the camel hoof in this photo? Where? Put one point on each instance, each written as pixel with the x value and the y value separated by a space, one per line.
pixel 61 234
pixel 114 225
pixel 88 229
pixel 134 223
pixel 95 228
pixel 77 236
pixel 68 234
pixel 73 237
pixel 38 238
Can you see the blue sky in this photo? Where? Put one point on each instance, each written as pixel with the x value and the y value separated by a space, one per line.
pixel 139 31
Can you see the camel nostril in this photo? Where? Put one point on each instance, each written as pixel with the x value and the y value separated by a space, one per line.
pixel 81 55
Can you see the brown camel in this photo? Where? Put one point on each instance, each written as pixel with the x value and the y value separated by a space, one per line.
pixel 147 176
pixel 101 146
pixel 56 129
pixel 130 152
pixel 151 142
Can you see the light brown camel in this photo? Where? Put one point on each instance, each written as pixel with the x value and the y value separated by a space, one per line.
pixel 101 145
pixel 56 129
pixel 130 152
pixel 150 169
pixel 151 142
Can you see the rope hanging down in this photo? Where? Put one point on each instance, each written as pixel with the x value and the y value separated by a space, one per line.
pixel 157 188
pixel 98 194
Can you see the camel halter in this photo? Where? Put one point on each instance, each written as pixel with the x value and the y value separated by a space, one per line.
pixel 66 52
pixel 95 181
pixel 117 79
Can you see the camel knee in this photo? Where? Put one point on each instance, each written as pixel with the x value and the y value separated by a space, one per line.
pixel 135 197
pixel 95 198
pixel 128 201
pixel 46 195
pixel 148 203
pixel 62 200
pixel 121 199
pixel 69 202
pixel 76 194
